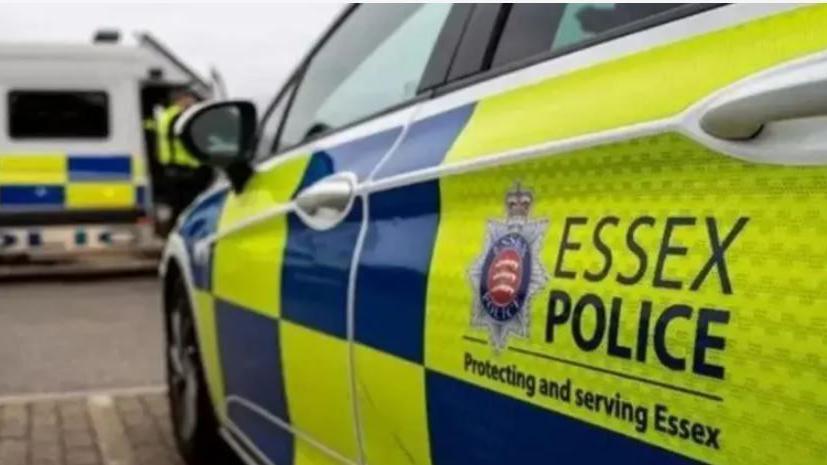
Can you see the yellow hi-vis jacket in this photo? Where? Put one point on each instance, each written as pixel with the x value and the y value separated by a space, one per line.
pixel 170 149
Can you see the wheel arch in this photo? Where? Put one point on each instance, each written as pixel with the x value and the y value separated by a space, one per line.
pixel 170 277
pixel 176 278
pixel 175 267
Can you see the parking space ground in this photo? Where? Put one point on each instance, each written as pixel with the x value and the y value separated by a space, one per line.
pixel 81 372
pixel 66 334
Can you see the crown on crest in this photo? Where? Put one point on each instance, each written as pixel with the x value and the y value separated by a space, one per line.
pixel 518 201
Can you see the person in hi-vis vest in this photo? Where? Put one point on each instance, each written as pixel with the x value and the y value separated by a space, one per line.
pixel 187 176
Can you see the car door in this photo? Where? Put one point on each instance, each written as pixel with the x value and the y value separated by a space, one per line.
pixel 283 248
pixel 601 245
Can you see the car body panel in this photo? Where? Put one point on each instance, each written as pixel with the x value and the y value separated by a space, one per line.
pixel 255 245
pixel 668 78
pixel 661 178
pixel 379 326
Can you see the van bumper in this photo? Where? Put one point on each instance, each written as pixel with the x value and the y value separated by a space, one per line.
pixel 56 243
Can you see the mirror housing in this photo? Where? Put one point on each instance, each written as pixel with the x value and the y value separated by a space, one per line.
pixel 221 134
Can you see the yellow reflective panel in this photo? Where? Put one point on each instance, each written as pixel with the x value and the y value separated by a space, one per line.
pixel 317 383
pixel 208 348
pixel 248 263
pixel 100 195
pixel 247 269
pixel 305 453
pixel 646 86
pixel 679 283
pixel 265 190
pixel 392 408
pixel 46 168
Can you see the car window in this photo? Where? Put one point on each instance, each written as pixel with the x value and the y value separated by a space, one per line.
pixel 533 29
pixel 58 114
pixel 372 62
pixel 268 142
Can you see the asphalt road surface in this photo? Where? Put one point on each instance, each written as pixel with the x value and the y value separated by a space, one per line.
pixel 81 334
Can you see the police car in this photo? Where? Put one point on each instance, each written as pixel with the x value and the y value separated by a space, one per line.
pixel 487 234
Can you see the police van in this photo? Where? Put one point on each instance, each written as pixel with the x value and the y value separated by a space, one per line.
pixel 77 169
pixel 517 233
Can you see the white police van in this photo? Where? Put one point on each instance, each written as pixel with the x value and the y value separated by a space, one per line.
pixel 77 171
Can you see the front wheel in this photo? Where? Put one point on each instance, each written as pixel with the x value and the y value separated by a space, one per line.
pixel 193 419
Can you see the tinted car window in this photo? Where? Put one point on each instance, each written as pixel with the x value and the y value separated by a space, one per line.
pixel 532 29
pixel 372 62
pixel 268 142
pixel 58 114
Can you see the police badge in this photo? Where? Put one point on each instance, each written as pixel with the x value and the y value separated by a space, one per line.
pixel 509 272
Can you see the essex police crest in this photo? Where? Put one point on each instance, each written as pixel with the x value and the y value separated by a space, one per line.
pixel 509 271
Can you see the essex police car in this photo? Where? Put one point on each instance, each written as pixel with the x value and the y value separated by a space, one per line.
pixel 488 234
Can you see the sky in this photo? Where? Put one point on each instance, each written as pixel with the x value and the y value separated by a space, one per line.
pixel 254 45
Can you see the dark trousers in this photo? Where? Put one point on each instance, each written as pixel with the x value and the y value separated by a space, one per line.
pixel 184 186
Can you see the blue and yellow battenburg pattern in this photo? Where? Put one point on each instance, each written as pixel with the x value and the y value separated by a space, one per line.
pixel 57 181
pixel 674 386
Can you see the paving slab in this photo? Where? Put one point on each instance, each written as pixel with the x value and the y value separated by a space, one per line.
pixel 115 428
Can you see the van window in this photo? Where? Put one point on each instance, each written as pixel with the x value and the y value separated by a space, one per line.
pixel 372 62
pixel 533 29
pixel 58 114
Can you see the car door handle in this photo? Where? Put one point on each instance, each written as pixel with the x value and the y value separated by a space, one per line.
pixel 325 204
pixel 797 92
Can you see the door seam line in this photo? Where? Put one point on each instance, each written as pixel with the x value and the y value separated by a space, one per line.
pixel 351 285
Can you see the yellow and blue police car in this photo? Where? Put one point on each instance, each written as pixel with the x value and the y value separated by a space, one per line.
pixel 487 234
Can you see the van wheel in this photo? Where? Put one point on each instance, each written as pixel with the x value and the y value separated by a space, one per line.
pixel 193 419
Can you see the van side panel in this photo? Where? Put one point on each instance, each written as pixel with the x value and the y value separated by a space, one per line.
pixel 93 172
pixel 72 193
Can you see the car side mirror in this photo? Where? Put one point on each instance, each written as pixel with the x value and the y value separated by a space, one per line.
pixel 221 134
